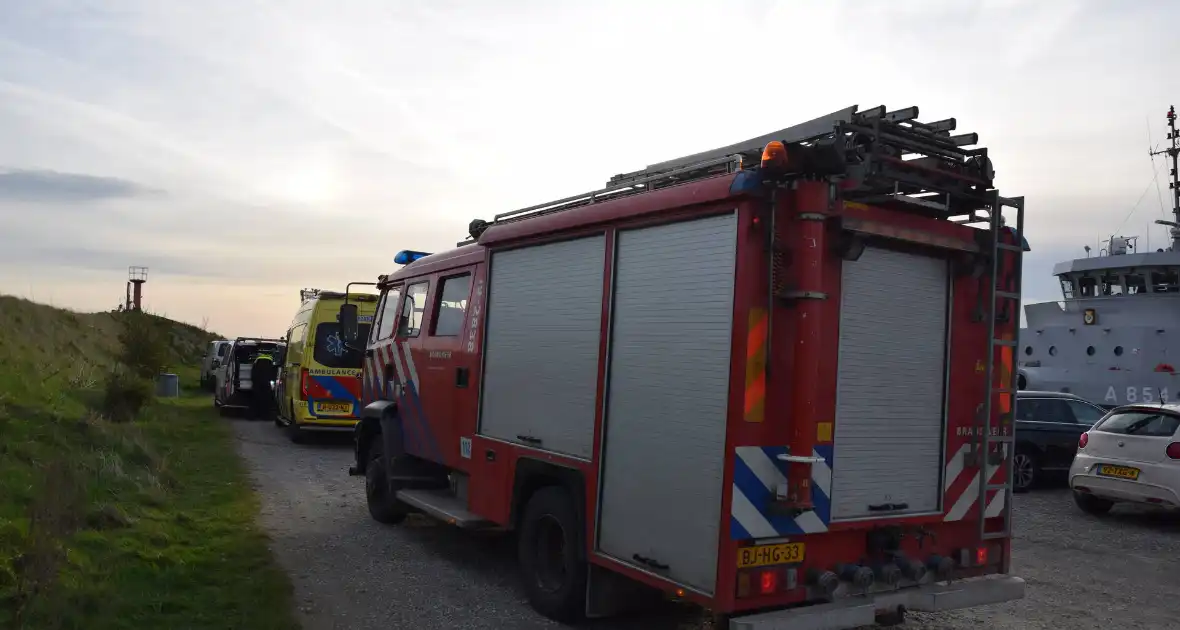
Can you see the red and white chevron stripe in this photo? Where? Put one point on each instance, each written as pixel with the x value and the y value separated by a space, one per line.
pixel 961 488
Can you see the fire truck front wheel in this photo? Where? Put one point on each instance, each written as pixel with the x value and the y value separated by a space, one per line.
pixel 383 507
pixel 550 554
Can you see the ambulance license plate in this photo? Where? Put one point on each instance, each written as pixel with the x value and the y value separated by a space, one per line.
pixel 333 407
pixel 765 555
pixel 1120 472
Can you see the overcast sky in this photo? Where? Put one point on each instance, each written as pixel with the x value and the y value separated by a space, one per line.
pixel 244 149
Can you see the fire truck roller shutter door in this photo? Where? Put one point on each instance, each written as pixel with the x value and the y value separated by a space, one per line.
pixel 663 464
pixel 541 351
pixel 890 402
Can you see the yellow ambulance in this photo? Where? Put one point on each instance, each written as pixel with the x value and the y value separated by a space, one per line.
pixel 319 384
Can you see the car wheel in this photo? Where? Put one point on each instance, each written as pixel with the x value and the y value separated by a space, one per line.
pixel 1091 504
pixel 1025 471
pixel 383 507
pixel 550 555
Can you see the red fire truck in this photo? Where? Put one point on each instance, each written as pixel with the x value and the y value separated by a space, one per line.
pixel 774 378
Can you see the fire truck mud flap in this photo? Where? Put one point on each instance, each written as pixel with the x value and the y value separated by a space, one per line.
pixel 863 611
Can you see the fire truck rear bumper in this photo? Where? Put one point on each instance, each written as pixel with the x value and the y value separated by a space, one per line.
pixel 863 611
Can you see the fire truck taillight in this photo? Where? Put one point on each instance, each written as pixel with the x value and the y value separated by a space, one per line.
pixel 766 581
pixel 980 556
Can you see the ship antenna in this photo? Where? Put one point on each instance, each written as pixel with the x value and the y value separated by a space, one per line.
pixel 1174 185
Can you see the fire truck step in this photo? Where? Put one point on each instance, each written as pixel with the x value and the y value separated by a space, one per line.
pixel 443 505
pixel 996 535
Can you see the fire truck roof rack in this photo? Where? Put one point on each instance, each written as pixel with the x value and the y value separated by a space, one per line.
pixel 312 294
pixel 887 158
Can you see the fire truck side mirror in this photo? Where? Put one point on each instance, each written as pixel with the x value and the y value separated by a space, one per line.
pixel 349 329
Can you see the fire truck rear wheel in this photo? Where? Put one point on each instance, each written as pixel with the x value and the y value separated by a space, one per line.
pixel 383 507
pixel 550 554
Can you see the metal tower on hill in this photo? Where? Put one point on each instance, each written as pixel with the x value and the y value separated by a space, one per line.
pixel 136 276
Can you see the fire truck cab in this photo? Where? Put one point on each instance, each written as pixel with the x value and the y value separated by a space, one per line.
pixel 774 378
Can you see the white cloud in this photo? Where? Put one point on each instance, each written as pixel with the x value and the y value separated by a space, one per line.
pixel 303 142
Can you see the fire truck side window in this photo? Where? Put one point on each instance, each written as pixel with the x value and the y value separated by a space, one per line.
pixel 452 306
pixel 413 308
pixel 388 313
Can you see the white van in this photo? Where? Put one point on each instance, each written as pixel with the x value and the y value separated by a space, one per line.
pixel 233 378
pixel 214 357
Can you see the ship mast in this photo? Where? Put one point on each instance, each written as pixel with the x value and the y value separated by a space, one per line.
pixel 1173 152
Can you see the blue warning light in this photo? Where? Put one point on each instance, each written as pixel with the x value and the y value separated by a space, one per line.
pixel 407 256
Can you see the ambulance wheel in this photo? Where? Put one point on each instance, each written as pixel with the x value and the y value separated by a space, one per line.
pixel 551 555
pixel 294 433
pixel 383 507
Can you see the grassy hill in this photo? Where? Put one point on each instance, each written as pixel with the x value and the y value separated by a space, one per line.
pixel 114 515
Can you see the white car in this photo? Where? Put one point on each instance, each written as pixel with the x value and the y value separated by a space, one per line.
pixel 1131 455
pixel 214 356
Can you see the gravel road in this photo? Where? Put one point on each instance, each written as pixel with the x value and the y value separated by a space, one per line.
pixel 350 572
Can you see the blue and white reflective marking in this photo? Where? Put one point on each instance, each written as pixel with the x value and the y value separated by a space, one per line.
pixel 757 473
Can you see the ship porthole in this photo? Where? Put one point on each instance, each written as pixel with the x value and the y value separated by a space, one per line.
pixel 1052 351
pixel 1028 351
pixel 1090 350
pixel 1118 351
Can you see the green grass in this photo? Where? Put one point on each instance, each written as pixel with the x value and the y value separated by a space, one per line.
pixel 144 524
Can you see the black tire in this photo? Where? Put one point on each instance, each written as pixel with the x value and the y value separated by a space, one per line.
pixel 551 555
pixel 1026 470
pixel 294 432
pixel 1091 504
pixel 383 507
pixel 291 428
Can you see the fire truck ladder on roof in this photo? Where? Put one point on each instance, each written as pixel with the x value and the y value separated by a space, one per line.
pixel 892 160
pixel 1004 290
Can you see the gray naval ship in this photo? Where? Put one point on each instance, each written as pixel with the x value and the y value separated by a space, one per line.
pixel 1114 338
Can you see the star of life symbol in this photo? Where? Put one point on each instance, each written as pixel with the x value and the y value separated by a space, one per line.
pixel 335 345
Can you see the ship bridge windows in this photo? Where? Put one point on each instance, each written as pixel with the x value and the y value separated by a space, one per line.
pixel 1136 283
pixel 1112 284
pixel 1165 280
